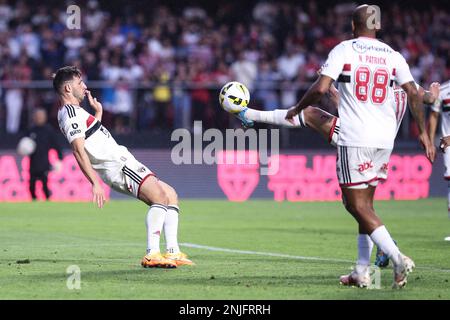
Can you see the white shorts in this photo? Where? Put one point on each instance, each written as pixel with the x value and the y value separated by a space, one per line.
pixel 447 163
pixel 130 178
pixel 358 167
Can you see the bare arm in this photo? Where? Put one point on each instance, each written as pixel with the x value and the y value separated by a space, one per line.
pixel 333 93
pixel 416 108
pixel 86 167
pixel 312 96
pixel 433 120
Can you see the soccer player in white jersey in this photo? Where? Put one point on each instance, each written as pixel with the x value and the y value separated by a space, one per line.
pixel 366 70
pixel 442 107
pixel 96 151
pixel 328 125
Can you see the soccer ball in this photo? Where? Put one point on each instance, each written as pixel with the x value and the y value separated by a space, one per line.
pixel 26 146
pixel 234 97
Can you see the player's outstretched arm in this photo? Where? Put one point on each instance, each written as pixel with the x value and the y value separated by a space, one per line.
pixel 97 106
pixel 331 98
pixel 86 167
pixel 416 108
pixel 312 96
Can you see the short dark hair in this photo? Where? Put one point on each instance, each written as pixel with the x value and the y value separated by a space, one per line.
pixel 64 74
pixel 359 17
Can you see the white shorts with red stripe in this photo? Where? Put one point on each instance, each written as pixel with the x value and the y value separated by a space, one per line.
pixel 359 167
pixel 130 178
pixel 447 163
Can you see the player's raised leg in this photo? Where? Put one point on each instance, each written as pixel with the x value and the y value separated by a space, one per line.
pixel 313 117
pixel 173 251
pixel 151 192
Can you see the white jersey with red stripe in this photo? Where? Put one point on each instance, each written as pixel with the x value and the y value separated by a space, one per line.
pixel 103 151
pixel 442 105
pixel 399 104
pixel 366 70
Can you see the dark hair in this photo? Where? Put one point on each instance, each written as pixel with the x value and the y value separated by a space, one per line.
pixel 360 16
pixel 64 74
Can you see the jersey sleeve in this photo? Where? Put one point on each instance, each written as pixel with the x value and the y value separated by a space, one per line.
pixel 74 127
pixel 403 73
pixel 335 62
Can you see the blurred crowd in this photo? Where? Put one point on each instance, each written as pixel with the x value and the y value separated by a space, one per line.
pixel 157 66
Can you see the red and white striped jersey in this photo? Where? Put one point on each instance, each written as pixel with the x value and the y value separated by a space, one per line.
pixel 103 151
pixel 400 103
pixel 366 70
pixel 442 105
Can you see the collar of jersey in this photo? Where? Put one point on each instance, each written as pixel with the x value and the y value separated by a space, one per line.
pixel 362 37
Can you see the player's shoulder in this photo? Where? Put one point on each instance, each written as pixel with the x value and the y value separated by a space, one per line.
pixel 70 111
pixel 345 44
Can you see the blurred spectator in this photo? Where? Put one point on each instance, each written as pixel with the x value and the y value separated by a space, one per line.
pixel 181 98
pixel 201 97
pixel 45 138
pixel 266 90
pixel 244 70
pixel 122 107
pixel 273 47
pixel 162 98
pixel 15 75
pixel 290 63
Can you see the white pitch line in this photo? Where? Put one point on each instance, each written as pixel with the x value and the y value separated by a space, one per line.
pixel 199 246
pixel 281 255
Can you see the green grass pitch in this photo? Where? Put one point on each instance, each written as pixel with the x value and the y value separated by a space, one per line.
pixel 307 245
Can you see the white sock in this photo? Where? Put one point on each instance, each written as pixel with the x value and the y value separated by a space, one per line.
pixel 365 246
pixel 154 222
pixel 276 117
pixel 383 240
pixel 448 199
pixel 171 229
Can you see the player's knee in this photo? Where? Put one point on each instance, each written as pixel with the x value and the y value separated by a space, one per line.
pixel 171 193
pixel 162 197
pixel 173 198
pixel 356 208
pixel 153 193
pixel 308 114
